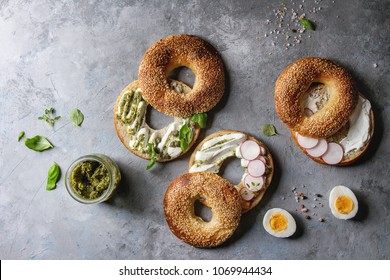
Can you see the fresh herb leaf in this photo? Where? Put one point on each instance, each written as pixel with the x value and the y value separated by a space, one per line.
pixel 20 135
pixel 307 24
pixel 76 117
pixel 153 156
pixel 38 143
pixel 48 116
pixel 283 4
pixel 184 137
pixel 200 119
pixel 268 130
pixel 52 176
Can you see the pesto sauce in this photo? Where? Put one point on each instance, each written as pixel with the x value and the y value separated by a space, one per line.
pixel 89 179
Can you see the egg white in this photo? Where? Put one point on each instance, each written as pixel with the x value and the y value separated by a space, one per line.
pixel 291 225
pixel 342 191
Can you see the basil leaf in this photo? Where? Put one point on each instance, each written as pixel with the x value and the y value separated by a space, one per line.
pixel 307 24
pixel 153 156
pixel 76 117
pixel 268 130
pixel 48 116
pixel 52 176
pixel 20 136
pixel 184 137
pixel 38 143
pixel 200 119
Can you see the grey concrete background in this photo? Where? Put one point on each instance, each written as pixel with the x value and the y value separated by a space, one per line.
pixel 69 54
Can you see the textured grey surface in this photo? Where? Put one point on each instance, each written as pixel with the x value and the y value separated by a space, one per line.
pixel 81 54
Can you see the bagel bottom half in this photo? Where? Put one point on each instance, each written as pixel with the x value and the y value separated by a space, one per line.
pixel 221 197
pixel 350 155
pixel 142 133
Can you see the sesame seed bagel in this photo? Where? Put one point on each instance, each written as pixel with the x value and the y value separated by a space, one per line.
pixel 220 195
pixel 121 126
pixel 293 83
pixel 246 204
pixel 170 53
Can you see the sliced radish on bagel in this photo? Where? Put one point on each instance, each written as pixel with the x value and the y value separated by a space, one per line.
pixel 319 149
pixel 253 183
pixel 307 142
pixel 246 194
pixel 334 154
pixel 256 168
pixel 250 150
pixel 262 159
pixel 308 112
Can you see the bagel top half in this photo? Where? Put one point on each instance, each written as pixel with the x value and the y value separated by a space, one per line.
pixel 121 127
pixel 175 51
pixel 294 82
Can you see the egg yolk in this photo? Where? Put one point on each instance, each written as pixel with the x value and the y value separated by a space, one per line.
pixel 278 222
pixel 344 204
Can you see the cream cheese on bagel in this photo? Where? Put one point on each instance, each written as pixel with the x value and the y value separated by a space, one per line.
pixel 136 134
pixel 256 161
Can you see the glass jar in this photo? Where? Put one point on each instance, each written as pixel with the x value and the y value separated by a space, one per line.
pixel 92 178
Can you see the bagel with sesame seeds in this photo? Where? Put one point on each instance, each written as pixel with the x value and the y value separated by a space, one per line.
pixel 176 51
pixel 294 82
pixel 221 197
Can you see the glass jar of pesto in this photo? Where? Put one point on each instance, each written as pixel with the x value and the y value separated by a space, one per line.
pixel 92 178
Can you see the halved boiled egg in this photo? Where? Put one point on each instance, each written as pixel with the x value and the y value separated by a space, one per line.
pixel 343 203
pixel 279 223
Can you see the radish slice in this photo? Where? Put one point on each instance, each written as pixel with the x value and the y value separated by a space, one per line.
pixel 319 149
pixel 246 194
pixel 244 162
pixel 308 112
pixel 253 183
pixel 334 154
pixel 307 142
pixel 238 152
pixel 262 159
pixel 256 168
pixel 250 150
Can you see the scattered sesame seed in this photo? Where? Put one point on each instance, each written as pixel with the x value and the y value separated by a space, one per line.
pixel 375 65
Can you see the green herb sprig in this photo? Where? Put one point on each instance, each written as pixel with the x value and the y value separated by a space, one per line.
pixel 307 24
pixel 20 135
pixel 76 117
pixel 38 143
pixel 200 119
pixel 184 137
pixel 268 130
pixel 49 116
pixel 52 176
pixel 153 156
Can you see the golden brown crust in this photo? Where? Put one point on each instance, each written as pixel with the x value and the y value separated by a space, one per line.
pixel 172 52
pixel 295 80
pixel 246 205
pixel 348 159
pixel 120 127
pixel 223 199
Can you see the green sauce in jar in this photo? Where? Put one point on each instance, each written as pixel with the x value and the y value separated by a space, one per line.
pixel 92 178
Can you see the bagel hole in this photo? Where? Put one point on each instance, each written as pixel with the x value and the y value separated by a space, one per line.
pixel 231 170
pixel 183 74
pixel 202 211
pixel 157 120
pixel 315 98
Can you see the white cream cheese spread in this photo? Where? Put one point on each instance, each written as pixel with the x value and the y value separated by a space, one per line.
pixel 214 151
pixel 359 127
